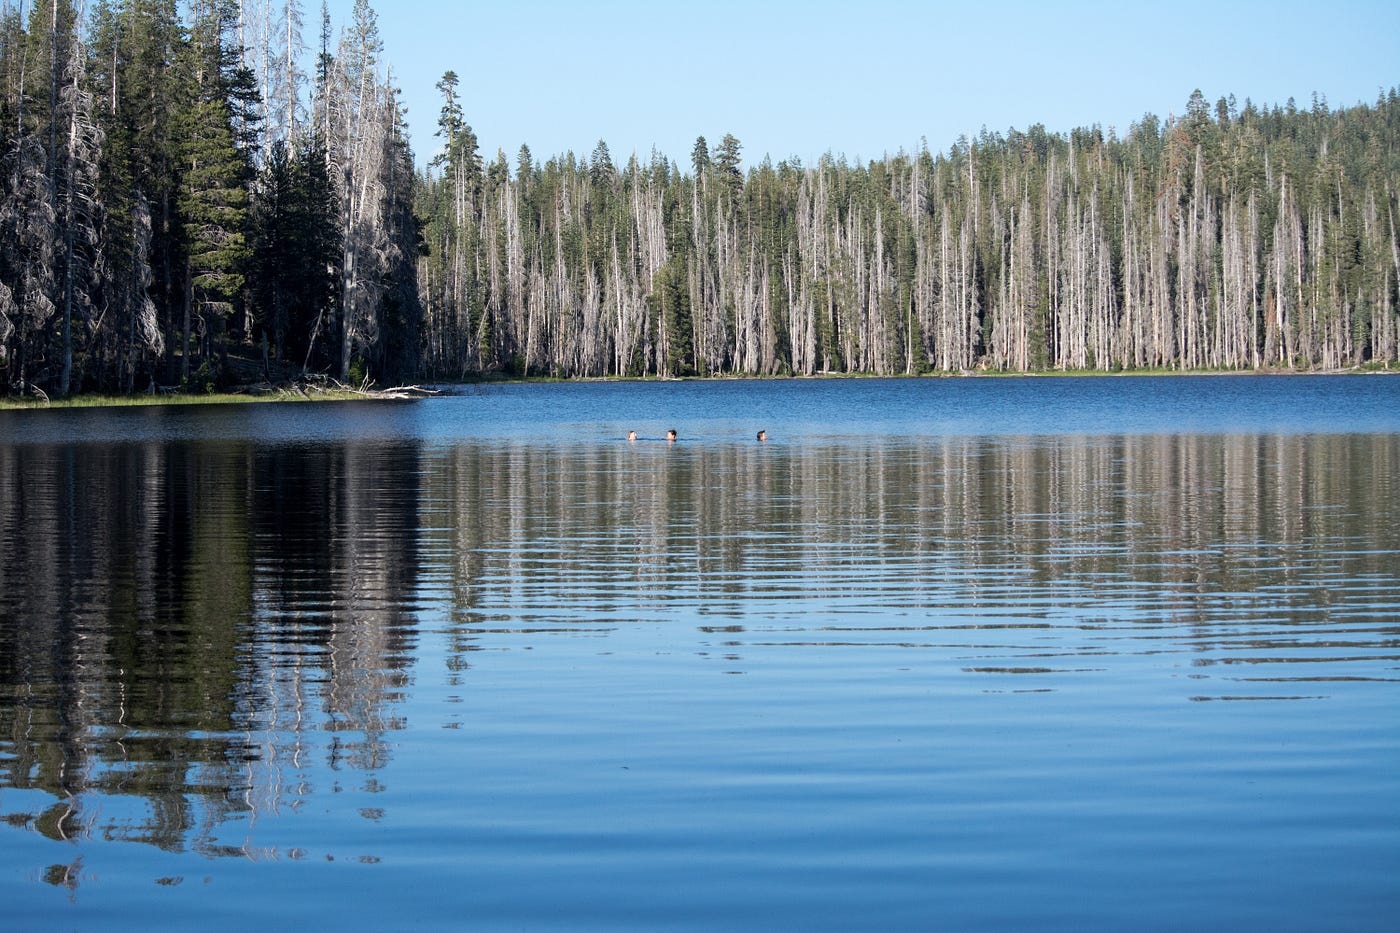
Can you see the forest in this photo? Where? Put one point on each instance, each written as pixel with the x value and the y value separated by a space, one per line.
pixel 1235 237
pixel 180 196
pixel 197 195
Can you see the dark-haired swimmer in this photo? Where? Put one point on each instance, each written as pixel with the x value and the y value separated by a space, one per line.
pixel 671 434
pixel 631 435
pixel 763 435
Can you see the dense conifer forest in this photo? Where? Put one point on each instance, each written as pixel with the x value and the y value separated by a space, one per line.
pixel 179 195
pixel 184 204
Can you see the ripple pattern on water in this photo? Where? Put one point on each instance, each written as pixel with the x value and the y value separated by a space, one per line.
pixel 925 679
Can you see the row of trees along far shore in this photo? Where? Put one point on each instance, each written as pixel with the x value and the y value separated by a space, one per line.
pixel 182 204
pixel 1231 238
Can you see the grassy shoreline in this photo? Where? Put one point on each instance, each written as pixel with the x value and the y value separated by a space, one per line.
pixel 180 398
pixel 10 403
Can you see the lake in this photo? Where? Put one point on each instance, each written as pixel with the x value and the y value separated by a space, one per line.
pixel 1080 653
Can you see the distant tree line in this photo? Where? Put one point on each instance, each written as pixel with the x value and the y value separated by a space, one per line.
pixel 1231 237
pixel 182 204
pixel 175 191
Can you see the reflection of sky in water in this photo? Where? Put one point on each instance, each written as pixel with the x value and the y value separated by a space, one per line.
pixel 438 670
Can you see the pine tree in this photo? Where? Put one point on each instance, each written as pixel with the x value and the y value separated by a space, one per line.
pixel 213 197
pixel 727 165
pixel 700 157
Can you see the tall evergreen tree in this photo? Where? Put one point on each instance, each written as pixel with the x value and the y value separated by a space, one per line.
pixel 213 197
pixel 727 164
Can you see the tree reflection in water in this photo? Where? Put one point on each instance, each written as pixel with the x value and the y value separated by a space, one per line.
pixel 180 619
pixel 195 635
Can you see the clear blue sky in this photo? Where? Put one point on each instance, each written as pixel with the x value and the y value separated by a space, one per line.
pixel 858 78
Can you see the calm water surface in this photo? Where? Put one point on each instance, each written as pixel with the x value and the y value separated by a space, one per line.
pixel 1050 653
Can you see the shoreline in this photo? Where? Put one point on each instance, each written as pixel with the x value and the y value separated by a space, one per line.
pixel 274 397
pixel 298 394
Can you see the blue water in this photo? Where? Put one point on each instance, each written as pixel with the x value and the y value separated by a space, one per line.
pixel 797 409
pixel 969 654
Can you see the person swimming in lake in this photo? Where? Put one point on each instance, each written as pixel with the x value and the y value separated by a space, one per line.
pixel 631 435
pixel 763 435
pixel 671 434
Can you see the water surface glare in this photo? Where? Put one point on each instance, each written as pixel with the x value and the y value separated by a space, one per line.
pixel 977 654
